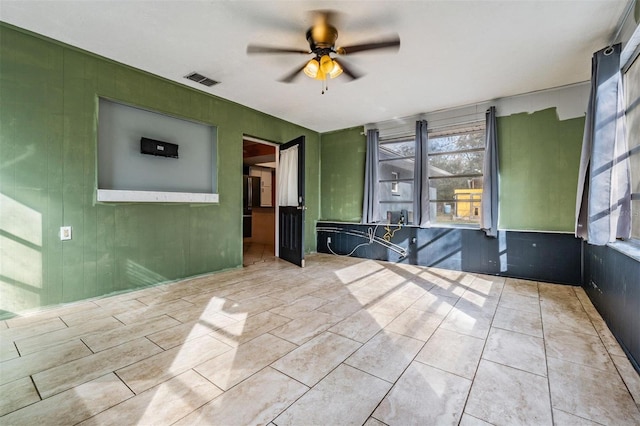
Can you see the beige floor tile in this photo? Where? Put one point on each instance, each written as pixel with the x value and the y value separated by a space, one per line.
pixel 468 320
pixel 300 307
pixel 505 396
pixel 439 305
pixel 386 355
pixel 247 308
pixel 342 307
pixel 563 318
pixel 49 314
pixel 582 349
pixel 304 328
pixel 347 397
pixel 249 328
pixel 211 311
pixel 29 330
pixel 452 352
pixel 520 286
pixel 8 351
pixel 148 312
pixel 178 334
pixel 609 341
pixel 74 373
pixel 516 350
pixel 518 320
pixel 53 338
pixel 108 339
pixel 561 418
pixel 16 395
pixel 480 301
pixel 73 405
pixel 424 395
pixel 102 312
pixel 230 368
pixel 488 285
pixel 315 359
pixel 155 369
pixel 334 292
pixel 258 400
pixel 520 302
pixel 39 361
pixel 630 377
pixel 416 324
pixel 468 420
pixel 362 325
pixel 163 404
pixel 575 387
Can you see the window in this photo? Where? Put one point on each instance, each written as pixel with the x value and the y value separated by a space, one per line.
pixel 395 178
pixel 632 96
pixel 456 158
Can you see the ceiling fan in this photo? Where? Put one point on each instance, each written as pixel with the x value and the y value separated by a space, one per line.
pixel 322 38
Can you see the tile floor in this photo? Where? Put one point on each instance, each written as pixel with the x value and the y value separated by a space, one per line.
pixel 256 252
pixel 342 341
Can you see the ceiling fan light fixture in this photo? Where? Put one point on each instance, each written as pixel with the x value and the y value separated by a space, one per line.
pixel 326 64
pixel 336 70
pixel 312 68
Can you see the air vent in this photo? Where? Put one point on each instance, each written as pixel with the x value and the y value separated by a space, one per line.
pixel 199 78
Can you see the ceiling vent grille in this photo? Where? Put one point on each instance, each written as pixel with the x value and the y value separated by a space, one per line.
pixel 199 78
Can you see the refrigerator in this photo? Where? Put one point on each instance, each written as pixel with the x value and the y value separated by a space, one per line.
pixel 250 200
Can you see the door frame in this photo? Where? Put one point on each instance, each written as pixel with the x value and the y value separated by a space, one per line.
pixel 277 207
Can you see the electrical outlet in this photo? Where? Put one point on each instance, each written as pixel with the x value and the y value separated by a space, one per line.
pixel 65 233
pixel 328 240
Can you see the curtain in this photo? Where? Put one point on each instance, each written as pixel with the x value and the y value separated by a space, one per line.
pixel 489 217
pixel 421 202
pixel 371 201
pixel 603 200
pixel 288 177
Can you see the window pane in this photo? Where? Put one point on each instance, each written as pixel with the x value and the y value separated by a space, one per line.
pixel 455 189
pixel 456 212
pixel 405 192
pixel 403 169
pixel 397 149
pixel 470 140
pixel 456 164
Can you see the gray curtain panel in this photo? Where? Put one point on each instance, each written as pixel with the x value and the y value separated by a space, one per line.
pixel 371 202
pixel 489 218
pixel 603 199
pixel 421 216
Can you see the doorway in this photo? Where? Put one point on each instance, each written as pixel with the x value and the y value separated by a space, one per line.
pixel 259 168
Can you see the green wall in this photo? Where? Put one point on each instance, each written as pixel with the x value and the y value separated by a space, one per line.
pixel 342 174
pixel 539 160
pixel 539 157
pixel 48 139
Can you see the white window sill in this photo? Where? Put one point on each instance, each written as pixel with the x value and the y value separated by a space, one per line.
pixel 629 248
pixel 123 196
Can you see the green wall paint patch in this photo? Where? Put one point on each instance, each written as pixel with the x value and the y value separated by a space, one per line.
pixel 539 156
pixel 342 174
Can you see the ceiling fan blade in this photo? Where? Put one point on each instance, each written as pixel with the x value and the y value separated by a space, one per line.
pixel 292 75
pixel 254 48
pixel 390 43
pixel 348 71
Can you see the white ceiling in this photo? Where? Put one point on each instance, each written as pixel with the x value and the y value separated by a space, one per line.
pixel 453 53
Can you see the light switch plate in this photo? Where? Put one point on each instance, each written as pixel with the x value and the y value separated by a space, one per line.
pixel 65 233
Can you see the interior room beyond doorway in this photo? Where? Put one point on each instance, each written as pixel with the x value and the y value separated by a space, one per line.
pixel 259 211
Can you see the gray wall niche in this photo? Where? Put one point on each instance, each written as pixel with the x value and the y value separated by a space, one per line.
pixel 121 166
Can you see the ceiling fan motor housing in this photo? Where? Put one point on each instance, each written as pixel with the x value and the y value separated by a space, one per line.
pixel 322 37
